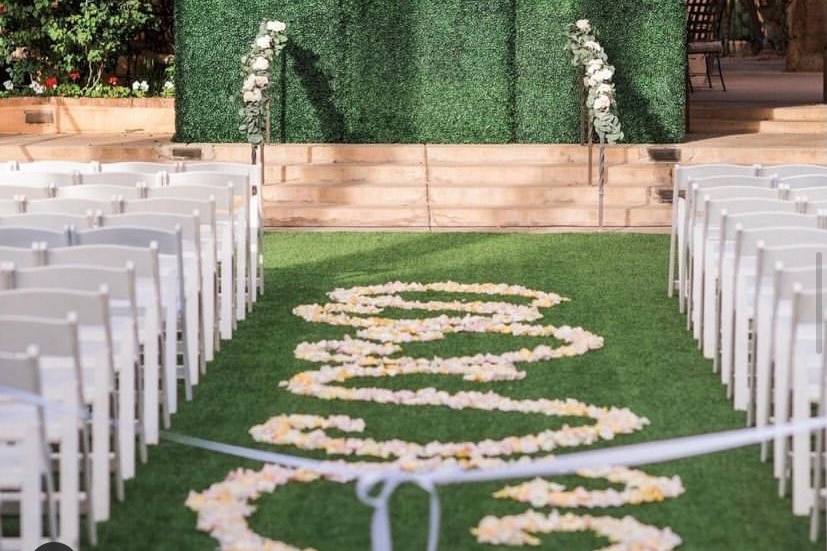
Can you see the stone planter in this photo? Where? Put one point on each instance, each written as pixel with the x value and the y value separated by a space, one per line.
pixel 56 115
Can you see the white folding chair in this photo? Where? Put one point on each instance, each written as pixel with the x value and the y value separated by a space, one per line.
pixel 11 206
pixel 24 460
pixel 22 193
pixel 720 187
pixel 791 170
pixel 92 311
pixel 49 220
pixel 681 176
pixel 805 362
pixel 753 309
pixel 192 264
pixel 817 196
pixel 38 179
pixel 62 378
pixel 256 270
pixel 145 262
pixel 68 205
pixel 122 179
pixel 16 236
pixel 102 192
pixel 699 229
pixel 241 212
pixel 715 247
pixel 205 210
pixel 66 167
pixel 224 234
pixel 172 293
pixel 786 284
pixel 123 316
pixel 737 248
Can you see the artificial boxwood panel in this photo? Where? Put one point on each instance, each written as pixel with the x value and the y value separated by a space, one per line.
pixel 437 71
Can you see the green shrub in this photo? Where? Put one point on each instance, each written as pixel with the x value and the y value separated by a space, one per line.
pixel 440 71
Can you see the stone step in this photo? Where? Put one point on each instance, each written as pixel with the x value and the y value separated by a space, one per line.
pixel 533 216
pixel 547 174
pixel 738 126
pixel 354 172
pixel 503 196
pixel 355 194
pixel 488 154
pixel 287 214
pixel 366 216
pixel 800 113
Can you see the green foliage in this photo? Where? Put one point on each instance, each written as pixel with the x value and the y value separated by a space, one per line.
pixel 443 71
pixel 43 38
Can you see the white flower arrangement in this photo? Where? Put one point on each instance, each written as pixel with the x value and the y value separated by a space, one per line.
pixel 37 88
pixel 223 508
pixel 8 85
pixel 140 88
pixel 256 69
pixel 588 54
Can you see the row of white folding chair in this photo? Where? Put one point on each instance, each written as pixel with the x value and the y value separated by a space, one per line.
pixel 768 383
pixel 683 174
pixel 741 271
pixel 96 377
pixel 198 274
pixel 172 288
pixel 216 232
pixel 125 174
pixel 697 226
pixel 204 210
pixel 233 209
pixel 149 398
pixel 25 473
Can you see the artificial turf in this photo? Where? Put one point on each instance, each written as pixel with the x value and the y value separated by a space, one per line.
pixel 649 364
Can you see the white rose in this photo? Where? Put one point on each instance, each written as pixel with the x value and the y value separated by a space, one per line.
pixel 144 86
pixel 249 83
pixel 594 46
pixel 8 85
pixel 602 103
pixel 593 66
pixel 261 64
pixel 169 85
pixel 135 86
pixel 605 89
pixel 37 88
pixel 276 26
pixel 583 25
pixel 605 74
pixel 263 41
pixel 252 96
pixel 262 81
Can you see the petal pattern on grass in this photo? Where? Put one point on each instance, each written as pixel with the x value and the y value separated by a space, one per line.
pixel 375 352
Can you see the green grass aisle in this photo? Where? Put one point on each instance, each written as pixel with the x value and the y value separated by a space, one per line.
pixel 649 364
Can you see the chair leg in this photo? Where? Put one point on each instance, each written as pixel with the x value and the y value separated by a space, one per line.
pixel 708 65
pixel 720 72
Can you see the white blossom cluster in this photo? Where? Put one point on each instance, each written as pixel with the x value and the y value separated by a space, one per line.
pixel 589 55
pixel 257 71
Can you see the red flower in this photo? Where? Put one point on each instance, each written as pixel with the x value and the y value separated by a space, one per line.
pixel 74 75
pixel 112 80
pixel 50 82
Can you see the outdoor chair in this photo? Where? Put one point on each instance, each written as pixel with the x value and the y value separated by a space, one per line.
pixel 703 36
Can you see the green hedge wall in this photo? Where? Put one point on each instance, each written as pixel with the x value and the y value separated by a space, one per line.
pixel 438 71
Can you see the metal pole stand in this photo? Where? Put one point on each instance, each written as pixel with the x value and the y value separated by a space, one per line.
pixel 601 182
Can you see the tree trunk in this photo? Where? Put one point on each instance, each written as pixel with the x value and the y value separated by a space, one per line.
pixel 807 35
